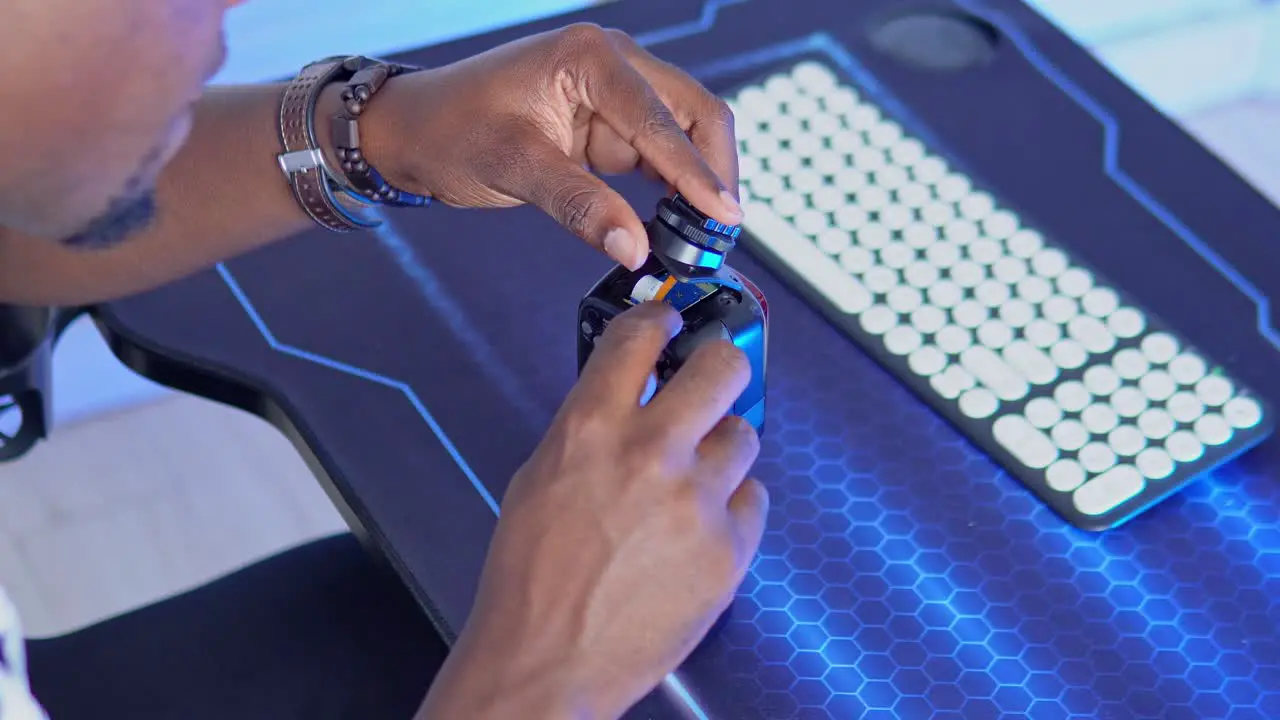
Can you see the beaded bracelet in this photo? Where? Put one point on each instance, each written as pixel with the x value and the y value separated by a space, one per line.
pixel 360 176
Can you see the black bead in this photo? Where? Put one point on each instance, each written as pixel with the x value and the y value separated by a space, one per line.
pixel 362 93
pixel 361 165
pixel 354 154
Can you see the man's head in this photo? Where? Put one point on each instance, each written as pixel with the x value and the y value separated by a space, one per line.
pixel 97 98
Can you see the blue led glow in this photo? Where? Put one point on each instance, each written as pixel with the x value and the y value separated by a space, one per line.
pixel 874 596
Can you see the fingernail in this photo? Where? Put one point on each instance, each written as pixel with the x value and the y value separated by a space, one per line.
pixel 620 246
pixel 650 387
pixel 732 203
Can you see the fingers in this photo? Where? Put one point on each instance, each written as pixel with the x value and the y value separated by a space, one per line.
pixel 702 391
pixel 704 116
pixel 613 88
pixel 536 171
pixel 622 363
pixel 748 510
pixel 727 454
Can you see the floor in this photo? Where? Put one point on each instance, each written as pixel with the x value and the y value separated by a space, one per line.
pixel 123 508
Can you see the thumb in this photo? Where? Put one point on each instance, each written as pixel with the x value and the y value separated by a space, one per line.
pixel 748 509
pixel 544 176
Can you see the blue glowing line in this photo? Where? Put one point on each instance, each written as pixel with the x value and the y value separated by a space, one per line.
pixel 373 377
pixel 1111 164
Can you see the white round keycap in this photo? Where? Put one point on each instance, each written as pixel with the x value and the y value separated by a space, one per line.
pixel 1184 407
pixel 892 177
pixel 994 334
pixel 929 170
pixel 828 199
pixel 1126 323
pixel 1154 464
pixel 879 320
pixel 880 279
pixel 1100 302
pixel 785 162
pixel 953 188
pixel 1214 390
pixel 991 293
pixel 802 106
pixel 960 231
pixel 976 206
pixel 1017 313
pixel 951 382
pixel 920 236
pixel 1034 289
pixel 913 195
pixel 873 198
pixel 863 117
pixel 943 254
pixel 1242 412
pixel 1070 435
pixel 833 241
pixel 811 222
pixel 850 217
pixel 756 101
pixel 1159 347
pixel 1042 333
pixel 1068 354
pixel 967 273
pixel 824 124
pixel 1101 380
pixel 978 403
pixel 1059 309
pixel 1096 457
pixel 850 179
pixel 984 251
pixel 904 299
pixel 829 163
pixel 1129 401
pixel 1000 224
pixel 907 152
pixel 1064 475
pixel 953 339
pixel 927 360
pixel 1130 363
pixel 897 217
pixel 896 255
pixel 885 134
pixel 840 100
pixel 1074 282
pixel 1025 243
pixel 767 186
pixel 1009 270
pixel 902 339
pixel 1187 368
pixel 937 213
pixel 806 180
pixel 788 204
pixel 1072 396
pixel 1156 423
pixel 946 294
pixel 1099 418
pixel 873 236
pixel 969 313
pixel 1213 429
pixel 928 319
pixel 920 275
pixel 1184 446
pixel 856 260
pixel 1042 412
pixel 813 77
pixel 1157 385
pixel 786 127
pixel 1049 262
pixel 1126 440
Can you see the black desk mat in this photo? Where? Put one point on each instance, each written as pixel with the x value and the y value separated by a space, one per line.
pixel 903 574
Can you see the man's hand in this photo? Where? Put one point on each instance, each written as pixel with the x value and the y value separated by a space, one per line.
pixel 621 540
pixel 524 122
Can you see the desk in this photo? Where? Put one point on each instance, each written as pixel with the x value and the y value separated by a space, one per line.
pixel 902 573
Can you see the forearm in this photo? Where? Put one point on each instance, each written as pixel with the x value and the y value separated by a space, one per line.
pixel 222 195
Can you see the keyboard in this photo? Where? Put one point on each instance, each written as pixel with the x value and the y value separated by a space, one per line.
pixel 1083 395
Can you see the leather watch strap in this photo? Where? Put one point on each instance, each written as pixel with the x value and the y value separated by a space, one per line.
pixel 301 161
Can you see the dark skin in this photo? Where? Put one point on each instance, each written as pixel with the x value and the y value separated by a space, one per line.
pixel 625 534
